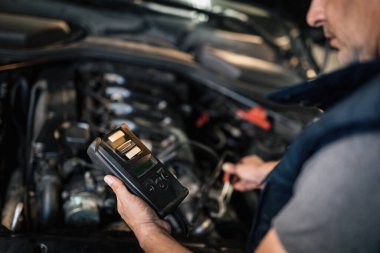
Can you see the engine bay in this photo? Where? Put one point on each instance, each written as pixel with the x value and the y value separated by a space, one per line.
pixel 189 128
pixel 189 83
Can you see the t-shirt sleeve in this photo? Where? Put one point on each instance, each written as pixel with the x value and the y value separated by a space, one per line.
pixel 336 201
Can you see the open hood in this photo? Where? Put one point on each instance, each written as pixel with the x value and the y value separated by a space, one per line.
pixel 189 80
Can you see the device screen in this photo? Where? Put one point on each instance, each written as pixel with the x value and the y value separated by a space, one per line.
pixel 140 170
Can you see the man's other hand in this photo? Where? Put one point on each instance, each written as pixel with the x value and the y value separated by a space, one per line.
pixel 251 171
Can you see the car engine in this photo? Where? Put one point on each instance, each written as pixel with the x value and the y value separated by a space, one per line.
pixel 192 130
pixel 184 90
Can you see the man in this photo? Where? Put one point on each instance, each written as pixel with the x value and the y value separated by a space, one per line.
pixel 324 195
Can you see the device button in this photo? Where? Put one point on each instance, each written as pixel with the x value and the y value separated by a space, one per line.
pixel 160 183
pixel 149 187
pixel 157 180
pixel 163 185
pixel 165 175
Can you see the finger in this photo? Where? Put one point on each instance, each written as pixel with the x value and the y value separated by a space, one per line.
pixel 117 186
pixel 246 182
pixel 235 169
pixel 245 170
pixel 229 167
pixel 123 195
pixel 251 159
pixel 245 186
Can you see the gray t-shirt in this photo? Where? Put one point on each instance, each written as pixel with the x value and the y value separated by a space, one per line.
pixel 336 201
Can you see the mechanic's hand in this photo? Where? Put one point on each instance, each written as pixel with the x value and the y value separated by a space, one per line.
pixel 251 171
pixel 140 217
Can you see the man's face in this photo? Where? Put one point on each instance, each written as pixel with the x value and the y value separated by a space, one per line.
pixel 351 26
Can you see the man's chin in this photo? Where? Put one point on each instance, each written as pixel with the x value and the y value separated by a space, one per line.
pixel 346 57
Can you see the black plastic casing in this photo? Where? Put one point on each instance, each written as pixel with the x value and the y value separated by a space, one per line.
pixel 156 185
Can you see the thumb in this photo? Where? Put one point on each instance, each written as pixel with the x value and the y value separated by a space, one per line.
pixel 117 186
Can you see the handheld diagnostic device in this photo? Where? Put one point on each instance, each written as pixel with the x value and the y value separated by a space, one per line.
pixel 122 154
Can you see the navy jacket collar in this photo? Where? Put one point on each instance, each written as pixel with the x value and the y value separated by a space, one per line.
pixel 329 89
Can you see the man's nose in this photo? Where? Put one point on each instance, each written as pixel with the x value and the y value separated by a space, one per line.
pixel 316 15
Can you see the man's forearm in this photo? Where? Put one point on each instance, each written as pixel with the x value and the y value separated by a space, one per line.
pixel 160 242
pixel 271 243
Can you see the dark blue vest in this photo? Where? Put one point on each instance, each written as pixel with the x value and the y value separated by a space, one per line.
pixel 351 98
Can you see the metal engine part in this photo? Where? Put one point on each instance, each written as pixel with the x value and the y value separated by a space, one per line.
pixel 81 209
pixel 85 198
pixel 11 213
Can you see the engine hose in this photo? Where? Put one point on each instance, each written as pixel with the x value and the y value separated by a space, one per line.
pixel 48 197
pixel 204 191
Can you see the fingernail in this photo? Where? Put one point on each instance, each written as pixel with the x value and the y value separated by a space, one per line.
pixel 109 180
pixel 226 166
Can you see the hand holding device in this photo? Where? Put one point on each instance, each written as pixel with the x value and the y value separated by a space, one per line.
pixel 121 153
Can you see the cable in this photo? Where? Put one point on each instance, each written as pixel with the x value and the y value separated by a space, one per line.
pixel 222 139
pixel 196 144
pixel 207 186
pixel 214 176
pixel 183 224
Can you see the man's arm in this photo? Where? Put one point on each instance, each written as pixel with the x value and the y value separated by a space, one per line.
pixel 336 200
pixel 159 241
pixel 152 233
pixel 271 243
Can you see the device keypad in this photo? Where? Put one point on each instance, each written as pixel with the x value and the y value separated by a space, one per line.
pixel 159 182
